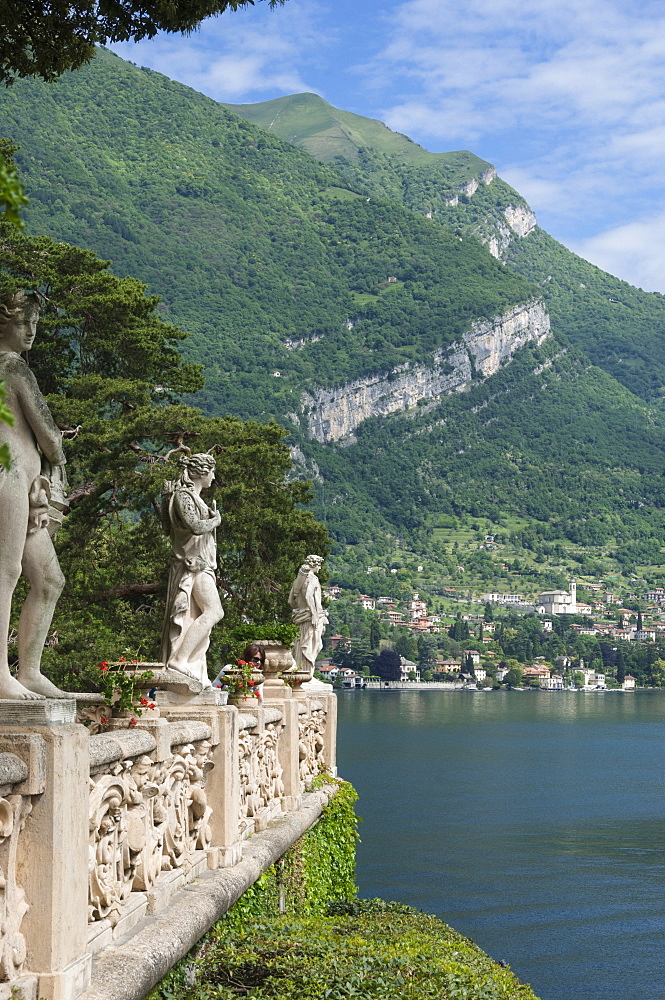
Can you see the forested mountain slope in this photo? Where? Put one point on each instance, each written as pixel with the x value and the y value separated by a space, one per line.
pixel 260 252
pixel 323 295
pixel 621 328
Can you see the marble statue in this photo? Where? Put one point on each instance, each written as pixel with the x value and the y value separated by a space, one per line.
pixel 30 492
pixel 193 606
pixel 308 613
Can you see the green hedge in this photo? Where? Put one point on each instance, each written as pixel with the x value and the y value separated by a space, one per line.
pixel 364 949
pixel 299 934
pixel 317 869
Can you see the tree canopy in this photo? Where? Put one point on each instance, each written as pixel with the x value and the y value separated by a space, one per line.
pixel 113 377
pixel 47 38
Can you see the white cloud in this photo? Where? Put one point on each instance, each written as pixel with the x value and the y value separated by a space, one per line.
pixel 634 252
pixel 241 56
pixel 566 98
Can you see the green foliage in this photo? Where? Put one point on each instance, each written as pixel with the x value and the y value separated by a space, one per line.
pixel 110 366
pixel 514 677
pixel 12 195
pixel 121 689
pixel 368 949
pixel 47 38
pixel 6 417
pixel 236 637
pixel 387 665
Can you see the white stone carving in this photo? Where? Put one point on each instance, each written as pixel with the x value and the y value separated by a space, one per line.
pixel 311 744
pixel 193 606
pixel 308 614
pixel 30 491
pixel 269 770
pixel 145 817
pixel 14 810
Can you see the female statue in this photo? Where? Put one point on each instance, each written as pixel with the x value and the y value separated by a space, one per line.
pixel 308 613
pixel 27 492
pixel 193 606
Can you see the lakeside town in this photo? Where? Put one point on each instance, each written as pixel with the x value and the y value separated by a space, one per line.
pixel 557 643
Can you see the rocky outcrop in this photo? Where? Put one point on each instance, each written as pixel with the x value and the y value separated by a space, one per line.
pixel 520 221
pixel 333 414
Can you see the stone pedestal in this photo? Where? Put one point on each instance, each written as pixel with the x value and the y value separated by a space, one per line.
pixel 46 712
pixel 53 850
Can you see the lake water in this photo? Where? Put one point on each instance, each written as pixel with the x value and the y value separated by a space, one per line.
pixel 532 822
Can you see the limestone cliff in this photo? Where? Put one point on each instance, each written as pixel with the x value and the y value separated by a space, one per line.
pixel 333 414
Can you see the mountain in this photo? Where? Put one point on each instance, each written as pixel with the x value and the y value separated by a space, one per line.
pixel 329 134
pixel 267 258
pixel 621 328
pixel 387 306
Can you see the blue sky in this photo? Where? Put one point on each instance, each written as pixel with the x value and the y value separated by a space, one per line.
pixel 566 99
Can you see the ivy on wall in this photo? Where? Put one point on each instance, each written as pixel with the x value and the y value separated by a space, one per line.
pixel 317 870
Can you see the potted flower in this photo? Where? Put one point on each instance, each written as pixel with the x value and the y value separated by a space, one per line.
pixel 122 687
pixel 275 640
pixel 243 683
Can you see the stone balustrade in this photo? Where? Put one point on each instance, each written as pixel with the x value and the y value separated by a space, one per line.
pixel 98 833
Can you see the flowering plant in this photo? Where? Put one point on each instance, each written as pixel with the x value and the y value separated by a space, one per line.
pixel 122 689
pixel 240 681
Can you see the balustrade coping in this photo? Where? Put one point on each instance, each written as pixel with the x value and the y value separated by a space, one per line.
pixel 190 731
pixel 105 748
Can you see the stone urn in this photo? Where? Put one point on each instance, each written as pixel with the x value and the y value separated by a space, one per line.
pixel 279 660
pixel 239 698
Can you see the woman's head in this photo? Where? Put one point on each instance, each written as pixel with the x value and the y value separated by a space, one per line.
pixel 254 654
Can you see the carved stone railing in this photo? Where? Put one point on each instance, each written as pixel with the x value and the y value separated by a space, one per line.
pixel 311 741
pixel 149 822
pixel 98 832
pixel 260 770
pixel 15 809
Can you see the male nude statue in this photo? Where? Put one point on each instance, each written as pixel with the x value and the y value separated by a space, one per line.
pixel 37 459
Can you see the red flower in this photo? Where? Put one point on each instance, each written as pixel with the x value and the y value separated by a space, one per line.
pixel 132 722
pixel 121 659
pixel 103 721
pixel 251 684
pixel 242 663
pixel 152 705
pixel 144 701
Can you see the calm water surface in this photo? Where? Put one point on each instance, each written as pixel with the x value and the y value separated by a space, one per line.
pixel 531 822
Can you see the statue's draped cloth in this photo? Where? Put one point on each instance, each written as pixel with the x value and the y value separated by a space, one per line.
pixel 310 616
